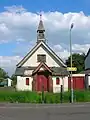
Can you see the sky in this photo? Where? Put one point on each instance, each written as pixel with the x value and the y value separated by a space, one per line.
pixel 19 21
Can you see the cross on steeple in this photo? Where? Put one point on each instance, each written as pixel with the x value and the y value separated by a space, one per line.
pixel 40 31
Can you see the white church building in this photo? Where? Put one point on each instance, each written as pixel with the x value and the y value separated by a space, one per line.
pixel 41 68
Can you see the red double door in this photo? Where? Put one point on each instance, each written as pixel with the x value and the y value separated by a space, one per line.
pixel 42 83
pixel 78 82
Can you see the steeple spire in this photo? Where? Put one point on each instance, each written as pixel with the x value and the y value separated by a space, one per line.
pixel 40 31
pixel 40 17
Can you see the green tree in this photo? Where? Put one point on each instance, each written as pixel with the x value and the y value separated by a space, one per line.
pixel 77 61
pixel 14 79
pixel 3 74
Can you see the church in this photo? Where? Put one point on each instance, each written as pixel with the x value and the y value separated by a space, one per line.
pixel 41 69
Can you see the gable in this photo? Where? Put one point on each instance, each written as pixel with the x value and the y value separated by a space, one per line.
pixel 32 61
pixel 51 58
pixel 42 66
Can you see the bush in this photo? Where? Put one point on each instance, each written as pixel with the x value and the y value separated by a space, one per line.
pixel 33 97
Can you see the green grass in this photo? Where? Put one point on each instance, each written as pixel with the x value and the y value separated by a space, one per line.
pixel 33 97
pixel 21 97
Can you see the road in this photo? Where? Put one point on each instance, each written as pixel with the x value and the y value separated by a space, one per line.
pixel 45 112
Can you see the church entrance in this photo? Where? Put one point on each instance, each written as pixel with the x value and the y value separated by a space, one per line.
pixel 43 81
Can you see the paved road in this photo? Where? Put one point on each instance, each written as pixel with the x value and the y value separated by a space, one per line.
pixel 45 112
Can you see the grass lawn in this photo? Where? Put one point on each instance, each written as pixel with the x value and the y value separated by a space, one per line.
pixel 33 97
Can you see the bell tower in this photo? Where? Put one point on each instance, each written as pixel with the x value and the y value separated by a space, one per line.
pixel 40 31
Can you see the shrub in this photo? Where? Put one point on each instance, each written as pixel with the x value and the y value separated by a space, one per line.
pixel 33 97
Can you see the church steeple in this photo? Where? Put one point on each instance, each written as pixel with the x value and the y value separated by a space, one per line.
pixel 41 31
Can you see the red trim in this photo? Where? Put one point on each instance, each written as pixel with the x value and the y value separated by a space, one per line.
pixel 40 65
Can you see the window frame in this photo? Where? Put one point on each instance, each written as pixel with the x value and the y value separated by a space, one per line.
pixel 57 81
pixel 42 56
pixel 27 81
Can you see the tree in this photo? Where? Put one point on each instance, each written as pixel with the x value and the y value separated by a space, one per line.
pixel 3 75
pixel 77 61
pixel 14 79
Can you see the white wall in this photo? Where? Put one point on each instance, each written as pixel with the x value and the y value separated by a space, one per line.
pixel 21 83
pixel 32 61
pixel 79 75
pixel 57 88
pixel 88 80
pixel 9 82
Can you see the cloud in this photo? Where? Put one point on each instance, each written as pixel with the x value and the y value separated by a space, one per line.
pixel 61 52
pixel 15 9
pixel 76 48
pixel 16 23
pixel 81 48
pixel 19 25
pixel 8 63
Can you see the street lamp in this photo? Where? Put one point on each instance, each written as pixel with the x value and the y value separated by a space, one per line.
pixel 71 62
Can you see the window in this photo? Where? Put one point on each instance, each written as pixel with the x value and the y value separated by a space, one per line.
pixel 57 81
pixel 27 81
pixel 41 58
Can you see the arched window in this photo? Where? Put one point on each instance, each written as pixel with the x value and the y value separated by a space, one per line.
pixel 57 81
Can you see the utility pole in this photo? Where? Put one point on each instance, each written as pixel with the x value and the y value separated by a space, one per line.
pixel 71 62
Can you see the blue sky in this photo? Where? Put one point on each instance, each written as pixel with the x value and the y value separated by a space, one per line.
pixel 18 31
pixel 63 6
pixel 50 5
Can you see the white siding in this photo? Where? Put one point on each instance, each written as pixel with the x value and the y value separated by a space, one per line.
pixel 21 83
pixel 88 80
pixel 57 88
pixel 80 75
pixel 32 61
pixel 9 82
pixel 65 83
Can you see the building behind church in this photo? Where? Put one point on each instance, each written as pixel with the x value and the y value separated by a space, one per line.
pixel 41 68
pixel 87 70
